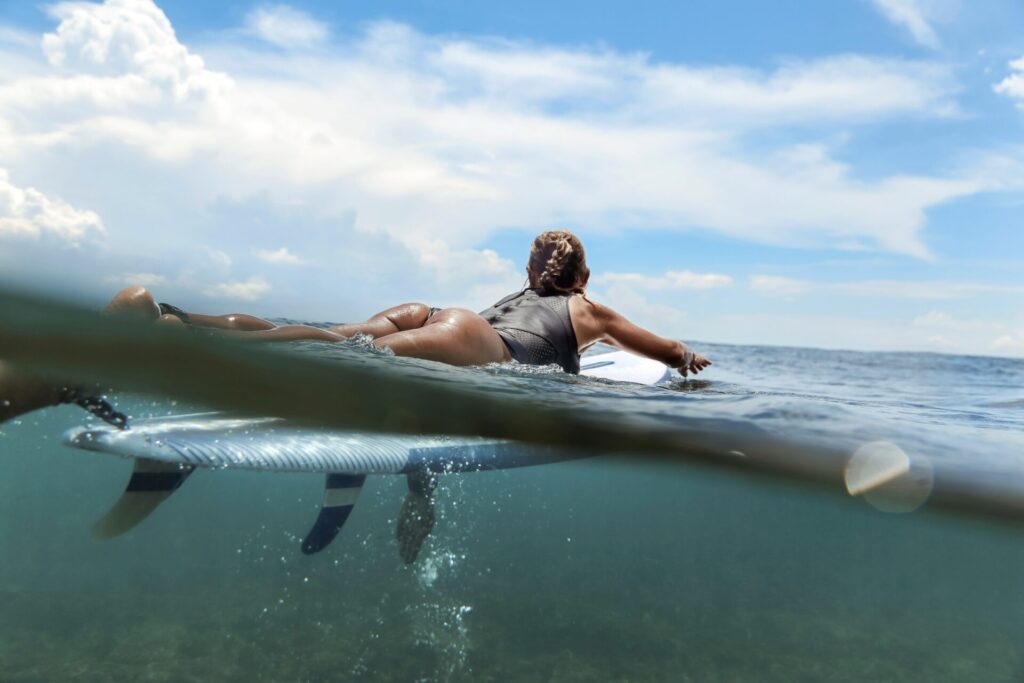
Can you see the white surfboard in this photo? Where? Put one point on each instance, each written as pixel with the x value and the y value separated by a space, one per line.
pixel 622 366
pixel 167 450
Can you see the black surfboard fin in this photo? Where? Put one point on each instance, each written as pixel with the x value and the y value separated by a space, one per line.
pixel 340 496
pixel 416 519
pixel 152 483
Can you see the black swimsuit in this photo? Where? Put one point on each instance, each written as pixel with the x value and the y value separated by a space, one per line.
pixel 536 328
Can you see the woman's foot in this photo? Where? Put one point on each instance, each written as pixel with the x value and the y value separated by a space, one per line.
pixel 133 302
pixel 21 392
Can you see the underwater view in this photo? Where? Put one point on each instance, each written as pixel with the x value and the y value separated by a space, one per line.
pixel 602 569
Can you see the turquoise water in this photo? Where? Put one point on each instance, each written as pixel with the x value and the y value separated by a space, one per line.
pixel 597 570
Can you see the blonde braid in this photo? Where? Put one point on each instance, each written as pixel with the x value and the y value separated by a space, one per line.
pixel 559 262
pixel 555 268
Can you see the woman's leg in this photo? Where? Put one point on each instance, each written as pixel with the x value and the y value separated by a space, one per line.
pixel 138 302
pixel 406 317
pixel 21 392
pixel 232 321
pixel 455 336
pixel 395 319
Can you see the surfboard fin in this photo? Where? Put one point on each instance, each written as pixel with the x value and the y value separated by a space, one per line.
pixel 340 496
pixel 152 482
pixel 416 519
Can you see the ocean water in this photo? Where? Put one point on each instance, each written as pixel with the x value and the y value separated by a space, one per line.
pixel 604 569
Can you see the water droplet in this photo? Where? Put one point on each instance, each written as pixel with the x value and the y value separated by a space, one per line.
pixel 888 478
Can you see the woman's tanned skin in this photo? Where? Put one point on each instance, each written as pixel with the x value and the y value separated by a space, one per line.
pixel 456 336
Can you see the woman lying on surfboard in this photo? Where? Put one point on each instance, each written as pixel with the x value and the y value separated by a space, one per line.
pixel 550 321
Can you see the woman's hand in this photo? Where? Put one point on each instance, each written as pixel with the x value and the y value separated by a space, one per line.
pixel 692 362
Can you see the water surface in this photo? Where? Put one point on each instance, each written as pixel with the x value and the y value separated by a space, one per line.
pixel 607 569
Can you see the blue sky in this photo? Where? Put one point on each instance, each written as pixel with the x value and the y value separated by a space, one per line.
pixel 845 174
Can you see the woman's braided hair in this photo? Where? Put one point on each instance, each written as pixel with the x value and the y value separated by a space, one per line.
pixel 559 263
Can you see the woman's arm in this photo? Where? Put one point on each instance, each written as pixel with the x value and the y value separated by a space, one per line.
pixel 598 323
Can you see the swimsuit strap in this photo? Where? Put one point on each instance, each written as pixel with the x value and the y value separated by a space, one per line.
pixel 168 309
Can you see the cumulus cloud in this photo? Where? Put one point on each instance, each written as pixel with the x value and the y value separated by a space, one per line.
pixel 912 16
pixel 279 256
pixel 434 138
pixel 285 26
pixel 390 158
pixel 249 290
pixel 28 213
pixel 475 275
pixel 673 279
pixel 127 38
pixel 1013 85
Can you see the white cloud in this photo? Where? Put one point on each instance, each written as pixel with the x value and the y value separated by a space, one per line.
pixel 844 87
pixel 912 16
pixel 249 290
pixel 1009 343
pixel 473 275
pixel 28 213
pixel 143 279
pixel 831 331
pixel 935 319
pixel 407 151
pixel 17 37
pixel 925 290
pixel 941 343
pixel 775 285
pixel 129 42
pixel 429 138
pixel 1013 85
pixel 847 88
pixel 887 289
pixel 285 26
pixel 673 279
pixel 971 335
pixel 280 256
pixel 667 319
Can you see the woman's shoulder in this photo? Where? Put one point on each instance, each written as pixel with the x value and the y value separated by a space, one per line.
pixel 594 314
pixel 584 304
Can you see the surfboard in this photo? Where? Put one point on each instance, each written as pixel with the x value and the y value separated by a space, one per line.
pixel 622 366
pixel 217 440
pixel 167 450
